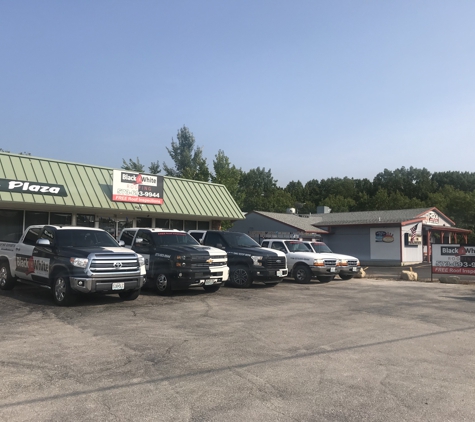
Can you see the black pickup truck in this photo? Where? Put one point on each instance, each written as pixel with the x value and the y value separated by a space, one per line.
pixel 247 260
pixel 71 260
pixel 176 261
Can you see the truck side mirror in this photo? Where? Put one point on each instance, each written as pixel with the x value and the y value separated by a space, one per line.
pixel 219 246
pixel 43 242
pixel 121 243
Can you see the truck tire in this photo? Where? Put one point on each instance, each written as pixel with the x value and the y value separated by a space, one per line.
pixel 302 274
pixel 163 284
pixel 63 295
pixel 346 277
pixel 7 282
pixel 212 289
pixel 240 277
pixel 129 294
pixel 324 278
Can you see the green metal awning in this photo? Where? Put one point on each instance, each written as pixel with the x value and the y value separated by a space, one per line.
pixel 89 189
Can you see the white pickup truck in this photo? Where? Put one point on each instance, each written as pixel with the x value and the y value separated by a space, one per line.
pixel 349 265
pixel 304 264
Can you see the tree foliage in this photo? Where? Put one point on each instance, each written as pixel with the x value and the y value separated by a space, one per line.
pixel 226 174
pixel 188 159
pixel 452 192
pixel 138 167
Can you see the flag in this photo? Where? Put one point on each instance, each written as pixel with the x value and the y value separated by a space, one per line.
pixel 413 232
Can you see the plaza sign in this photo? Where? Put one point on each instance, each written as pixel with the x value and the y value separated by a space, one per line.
pixel 36 188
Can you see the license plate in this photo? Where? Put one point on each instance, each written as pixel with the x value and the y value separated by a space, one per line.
pixel 332 269
pixel 208 282
pixel 118 286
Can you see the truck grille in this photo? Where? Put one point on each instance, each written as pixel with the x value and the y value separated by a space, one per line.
pixel 352 263
pixel 274 262
pixel 330 262
pixel 114 263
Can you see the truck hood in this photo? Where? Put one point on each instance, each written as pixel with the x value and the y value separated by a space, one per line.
pixel 86 251
pixel 191 249
pixel 254 251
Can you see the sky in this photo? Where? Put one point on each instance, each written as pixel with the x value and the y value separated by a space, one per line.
pixel 309 89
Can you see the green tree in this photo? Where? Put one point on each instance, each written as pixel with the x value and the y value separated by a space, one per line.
pixel 133 165
pixel 137 166
pixel 411 182
pixel 339 203
pixel 260 192
pixel 188 159
pixel 226 174
pixel 297 191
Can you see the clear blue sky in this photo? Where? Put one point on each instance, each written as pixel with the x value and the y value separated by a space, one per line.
pixel 309 89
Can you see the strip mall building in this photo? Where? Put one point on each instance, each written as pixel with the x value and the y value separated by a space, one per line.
pixel 44 191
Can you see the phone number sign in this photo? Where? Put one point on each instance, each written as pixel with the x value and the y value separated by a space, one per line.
pixel 453 259
pixel 138 188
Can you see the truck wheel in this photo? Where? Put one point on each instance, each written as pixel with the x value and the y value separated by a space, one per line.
pixel 7 282
pixel 213 288
pixel 324 278
pixel 303 274
pixel 129 294
pixel 63 295
pixel 346 277
pixel 163 283
pixel 240 277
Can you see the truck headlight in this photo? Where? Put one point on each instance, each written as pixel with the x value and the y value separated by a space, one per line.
pixel 79 262
pixel 257 260
pixel 318 262
pixel 141 260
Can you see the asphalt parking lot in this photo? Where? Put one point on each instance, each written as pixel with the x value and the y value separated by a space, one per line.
pixel 358 350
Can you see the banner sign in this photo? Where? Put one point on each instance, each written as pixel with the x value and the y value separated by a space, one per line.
pixel 128 186
pixel 453 259
pixel 36 188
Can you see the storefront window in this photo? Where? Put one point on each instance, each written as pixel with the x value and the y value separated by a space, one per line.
pixel 203 225
pixel 60 218
pixel 123 225
pixel 108 225
pixel 176 224
pixel 144 222
pixel 190 225
pixel 35 217
pixel 161 223
pixel 11 225
pixel 85 220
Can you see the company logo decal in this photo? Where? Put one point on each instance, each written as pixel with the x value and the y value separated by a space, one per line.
pixel 383 236
pixel 31 265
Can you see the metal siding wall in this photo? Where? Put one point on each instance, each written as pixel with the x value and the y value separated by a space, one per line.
pixel 348 240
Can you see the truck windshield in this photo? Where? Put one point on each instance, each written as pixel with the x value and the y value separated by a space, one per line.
pixel 321 248
pixel 165 239
pixel 297 246
pixel 240 240
pixel 84 238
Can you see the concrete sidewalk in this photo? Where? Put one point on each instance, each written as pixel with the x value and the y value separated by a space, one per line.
pixel 423 274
